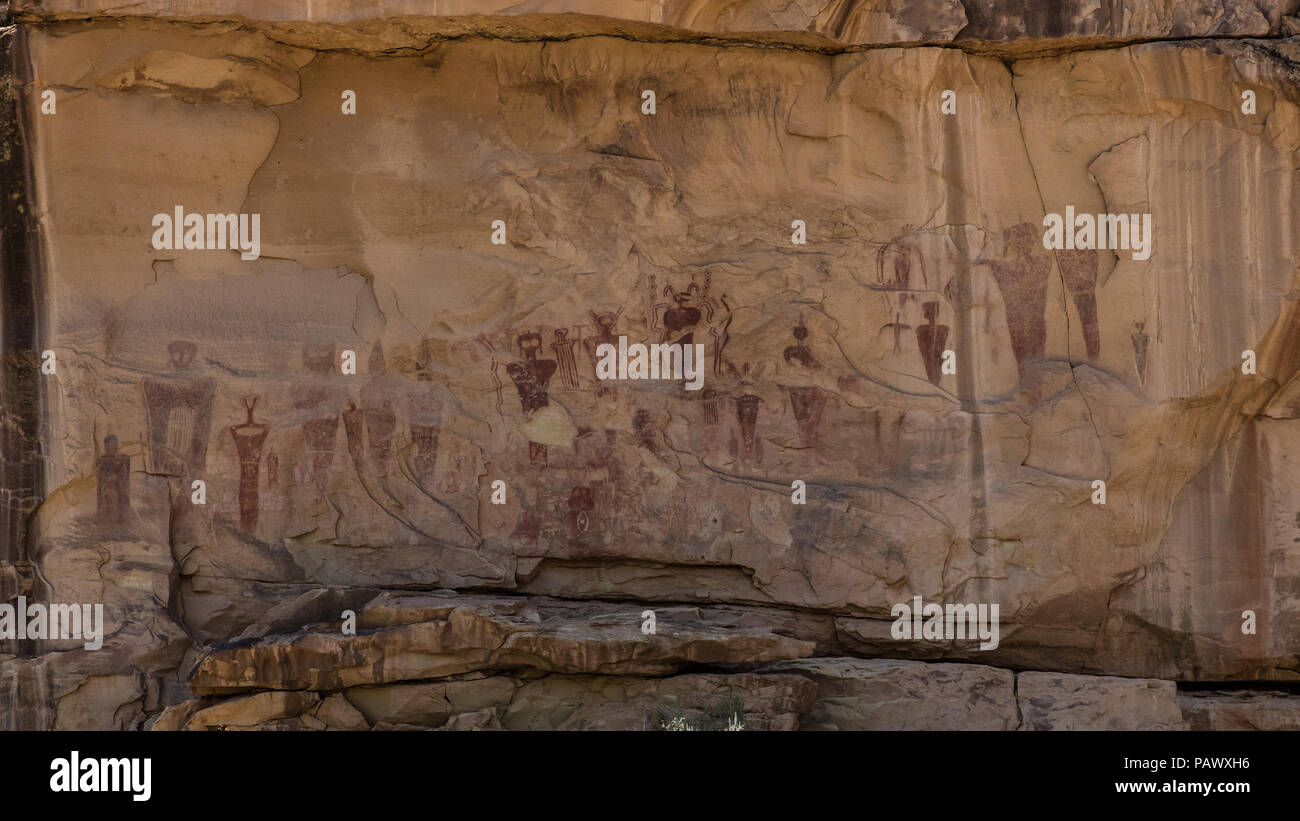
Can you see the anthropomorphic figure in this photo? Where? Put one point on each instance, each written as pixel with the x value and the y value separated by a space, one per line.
pixel 578 519
pixel 532 376
pixel 681 318
pixel 1022 275
pixel 178 415
pixel 799 353
pixel 904 254
pixel 747 416
pixel 114 484
pixel 532 379
pixel 249 438
pixel 379 397
pixel 931 338
pixel 898 326
pixel 568 363
pixel 318 396
pixel 605 335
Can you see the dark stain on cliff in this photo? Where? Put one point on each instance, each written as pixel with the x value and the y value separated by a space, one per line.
pixel 21 474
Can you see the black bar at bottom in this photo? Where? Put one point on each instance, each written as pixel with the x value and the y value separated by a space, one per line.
pixel 616 772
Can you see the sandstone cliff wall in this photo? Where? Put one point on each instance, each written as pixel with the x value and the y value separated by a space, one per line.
pixel 372 492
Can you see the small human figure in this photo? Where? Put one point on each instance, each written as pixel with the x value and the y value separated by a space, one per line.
pixel 1140 342
pixel 320 434
pixel 903 252
pixel 532 379
pixel 605 324
pixel 645 430
pixel 899 326
pixel 114 484
pixel 578 519
pixel 249 438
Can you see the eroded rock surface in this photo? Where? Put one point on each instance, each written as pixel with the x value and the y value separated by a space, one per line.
pixel 1054 701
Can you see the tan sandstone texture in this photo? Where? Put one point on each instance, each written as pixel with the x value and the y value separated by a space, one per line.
pixel 349 567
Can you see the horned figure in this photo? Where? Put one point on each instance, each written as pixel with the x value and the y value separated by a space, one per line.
pixel 605 335
pixel 532 376
pixel 682 316
pixel 677 321
pixel 249 438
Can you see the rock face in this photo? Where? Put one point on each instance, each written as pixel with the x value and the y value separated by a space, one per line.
pixel 887 694
pixel 1052 701
pixel 425 637
pixel 346 460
